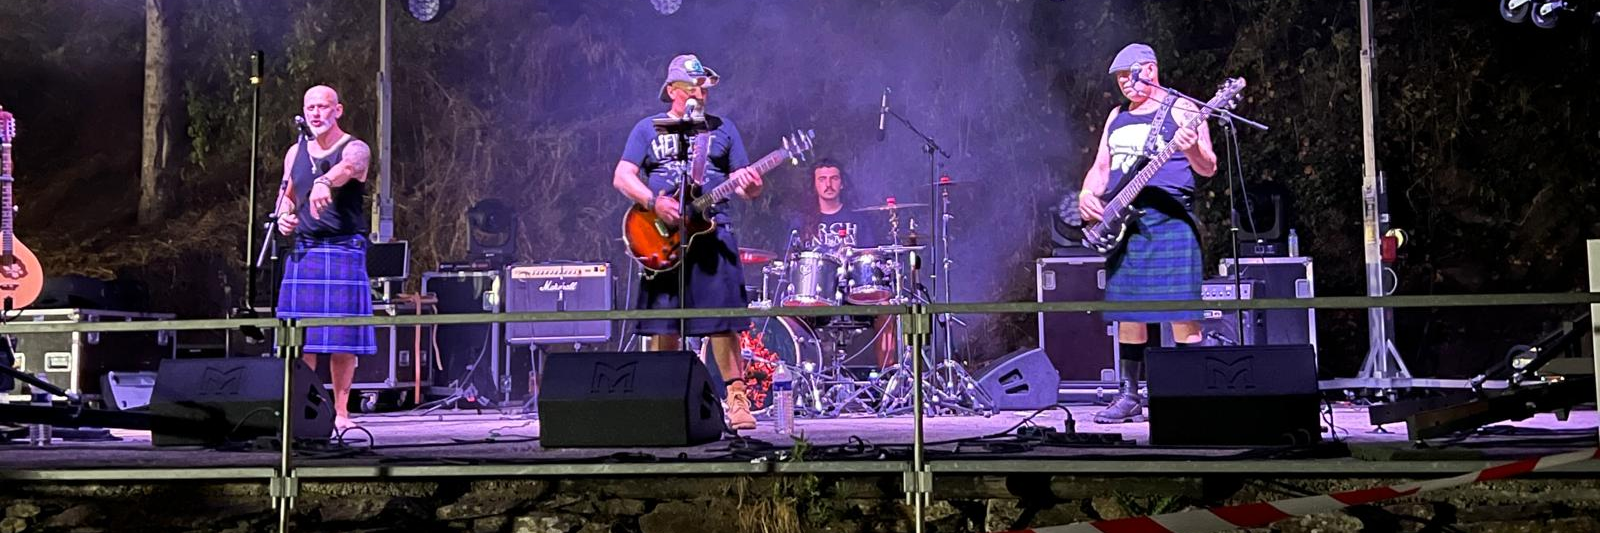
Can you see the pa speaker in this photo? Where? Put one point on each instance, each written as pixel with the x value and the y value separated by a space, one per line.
pixel 1021 380
pixel 214 401
pixel 622 399
pixel 1234 395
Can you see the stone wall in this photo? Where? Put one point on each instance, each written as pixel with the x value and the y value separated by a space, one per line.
pixel 770 504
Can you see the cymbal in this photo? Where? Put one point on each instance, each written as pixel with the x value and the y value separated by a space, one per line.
pixel 893 248
pixel 756 256
pixel 888 207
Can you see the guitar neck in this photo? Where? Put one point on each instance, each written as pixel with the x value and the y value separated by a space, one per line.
pixel 5 199
pixel 728 188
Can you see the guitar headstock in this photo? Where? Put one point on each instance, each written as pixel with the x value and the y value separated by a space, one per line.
pixel 798 145
pixel 8 126
pixel 1228 94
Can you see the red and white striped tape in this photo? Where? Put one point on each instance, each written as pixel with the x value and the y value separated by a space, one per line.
pixel 1252 515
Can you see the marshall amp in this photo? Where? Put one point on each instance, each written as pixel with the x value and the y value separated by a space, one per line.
pixel 558 287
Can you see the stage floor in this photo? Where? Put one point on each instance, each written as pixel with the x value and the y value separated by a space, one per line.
pixel 461 440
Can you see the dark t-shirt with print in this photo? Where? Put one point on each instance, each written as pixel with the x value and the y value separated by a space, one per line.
pixel 656 155
pixel 820 232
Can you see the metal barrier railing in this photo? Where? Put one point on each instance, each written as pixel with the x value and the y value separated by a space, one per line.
pixel 284 485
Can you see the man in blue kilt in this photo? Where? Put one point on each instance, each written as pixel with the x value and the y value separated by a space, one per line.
pixel 322 204
pixel 649 173
pixel 1161 258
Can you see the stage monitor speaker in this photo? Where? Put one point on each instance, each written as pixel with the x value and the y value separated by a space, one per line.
pixel 1234 395
pixel 1282 277
pixel 123 391
pixel 1021 380
pixel 558 287
pixel 622 399
pixel 214 401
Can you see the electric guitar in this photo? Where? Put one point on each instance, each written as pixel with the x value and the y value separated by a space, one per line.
pixel 655 244
pixel 20 275
pixel 1107 236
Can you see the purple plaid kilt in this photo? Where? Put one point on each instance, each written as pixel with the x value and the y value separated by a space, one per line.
pixel 326 277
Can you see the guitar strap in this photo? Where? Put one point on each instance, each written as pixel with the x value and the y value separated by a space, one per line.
pixel 1156 123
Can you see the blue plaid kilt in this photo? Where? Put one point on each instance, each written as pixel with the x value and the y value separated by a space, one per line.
pixel 325 278
pixel 715 279
pixel 1161 261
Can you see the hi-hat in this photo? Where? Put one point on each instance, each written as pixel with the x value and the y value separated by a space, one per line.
pixel 893 248
pixel 888 207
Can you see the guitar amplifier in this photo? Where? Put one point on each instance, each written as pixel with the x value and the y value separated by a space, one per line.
pixel 558 287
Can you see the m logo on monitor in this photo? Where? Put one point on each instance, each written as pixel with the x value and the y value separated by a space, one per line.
pixel 613 379
pixel 221 382
pixel 1230 374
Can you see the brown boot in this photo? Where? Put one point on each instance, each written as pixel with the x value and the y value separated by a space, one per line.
pixel 737 407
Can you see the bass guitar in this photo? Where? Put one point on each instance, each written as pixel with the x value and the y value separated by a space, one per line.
pixel 655 244
pixel 1107 236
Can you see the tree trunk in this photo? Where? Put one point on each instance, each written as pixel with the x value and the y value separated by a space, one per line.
pixel 159 160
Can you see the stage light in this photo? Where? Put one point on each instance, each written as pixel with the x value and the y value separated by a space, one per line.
pixel 667 7
pixel 429 10
pixel 1544 13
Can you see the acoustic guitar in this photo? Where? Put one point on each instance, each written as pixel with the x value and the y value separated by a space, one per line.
pixel 20 275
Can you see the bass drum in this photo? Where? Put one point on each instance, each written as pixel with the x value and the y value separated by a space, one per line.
pixel 782 338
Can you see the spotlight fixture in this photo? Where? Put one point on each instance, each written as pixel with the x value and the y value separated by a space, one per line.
pixel 1543 13
pixel 667 7
pixel 429 10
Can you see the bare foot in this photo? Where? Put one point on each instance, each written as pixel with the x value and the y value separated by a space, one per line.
pixel 344 423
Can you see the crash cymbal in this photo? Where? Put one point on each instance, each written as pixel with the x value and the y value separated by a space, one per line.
pixel 889 207
pixel 756 256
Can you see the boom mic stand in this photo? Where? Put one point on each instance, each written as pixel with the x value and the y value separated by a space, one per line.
pixel 684 129
pixel 958 392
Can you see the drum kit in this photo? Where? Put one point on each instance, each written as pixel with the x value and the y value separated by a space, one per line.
pixel 824 353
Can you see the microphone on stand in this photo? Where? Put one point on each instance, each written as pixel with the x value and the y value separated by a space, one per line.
pixel 305 131
pixel 883 112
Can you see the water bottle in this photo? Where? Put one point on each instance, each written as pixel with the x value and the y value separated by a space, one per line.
pixel 783 399
pixel 39 434
pixel 1294 243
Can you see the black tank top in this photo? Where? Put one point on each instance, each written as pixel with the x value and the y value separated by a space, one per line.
pixel 346 215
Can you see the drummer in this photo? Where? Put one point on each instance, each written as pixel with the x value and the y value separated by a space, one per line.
pixel 832 229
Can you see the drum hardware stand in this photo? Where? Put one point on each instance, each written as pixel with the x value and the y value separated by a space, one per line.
pixel 956 383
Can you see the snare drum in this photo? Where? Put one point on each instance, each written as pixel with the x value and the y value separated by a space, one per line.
pixel 870 278
pixel 813 281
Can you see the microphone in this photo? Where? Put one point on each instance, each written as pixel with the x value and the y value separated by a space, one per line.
pixel 883 112
pixel 304 129
pixel 691 108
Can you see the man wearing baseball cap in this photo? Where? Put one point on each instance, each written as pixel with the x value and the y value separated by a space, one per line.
pixel 650 174
pixel 1161 259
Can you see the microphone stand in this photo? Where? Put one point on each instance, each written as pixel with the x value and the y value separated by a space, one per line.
pixel 1226 119
pixel 684 128
pixel 941 278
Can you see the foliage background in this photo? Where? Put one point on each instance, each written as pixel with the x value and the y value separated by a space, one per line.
pixel 1487 151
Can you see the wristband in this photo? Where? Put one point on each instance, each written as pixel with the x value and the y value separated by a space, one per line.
pixel 650 205
pixel 325 181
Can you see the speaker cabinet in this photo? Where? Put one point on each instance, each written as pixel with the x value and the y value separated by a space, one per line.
pixel 623 399
pixel 214 401
pixel 558 287
pixel 472 355
pixel 1234 395
pixel 1281 277
pixel 1021 380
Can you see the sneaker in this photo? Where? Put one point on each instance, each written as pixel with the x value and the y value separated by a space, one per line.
pixel 1125 408
pixel 737 407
